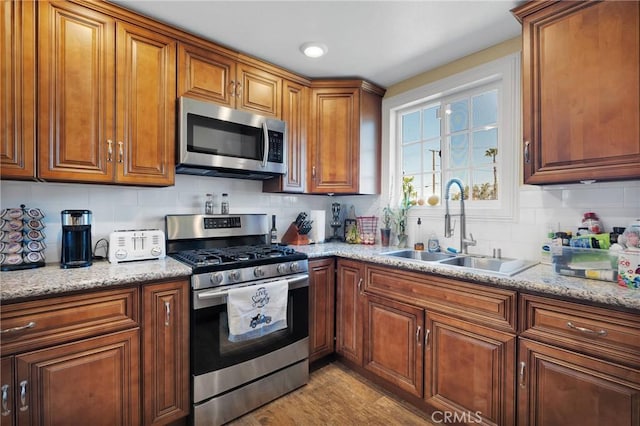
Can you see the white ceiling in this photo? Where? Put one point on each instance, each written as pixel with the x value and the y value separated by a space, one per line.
pixel 384 42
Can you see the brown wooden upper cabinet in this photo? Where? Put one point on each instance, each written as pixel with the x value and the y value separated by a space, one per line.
pixel 344 137
pixel 106 108
pixel 18 101
pixel 219 77
pixel 581 90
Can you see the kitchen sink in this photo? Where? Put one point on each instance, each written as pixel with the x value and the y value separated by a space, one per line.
pixel 502 266
pixel 419 255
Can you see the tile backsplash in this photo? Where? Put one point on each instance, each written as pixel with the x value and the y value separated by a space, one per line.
pixel 119 207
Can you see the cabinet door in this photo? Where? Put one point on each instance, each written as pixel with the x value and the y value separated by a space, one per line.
pixel 348 311
pixel 17 90
pixel 321 308
pixel 165 350
pixel 581 91
pixel 146 106
pixel 76 88
pixel 393 335
pixel 94 381
pixel 206 75
pixel 333 140
pixel 258 91
pixel 469 369
pixel 294 111
pixel 7 392
pixel 559 387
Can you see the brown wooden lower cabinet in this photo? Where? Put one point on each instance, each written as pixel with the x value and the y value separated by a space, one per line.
pixel 349 311
pixel 165 368
pixel 469 369
pixel 393 336
pixel 558 387
pixel 321 308
pixel 94 381
pixel 90 358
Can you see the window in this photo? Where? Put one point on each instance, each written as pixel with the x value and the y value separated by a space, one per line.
pixel 466 127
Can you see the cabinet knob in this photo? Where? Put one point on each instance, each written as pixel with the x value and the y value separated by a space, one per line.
pixel 23 396
pixel 109 150
pixel 5 400
pixel 120 151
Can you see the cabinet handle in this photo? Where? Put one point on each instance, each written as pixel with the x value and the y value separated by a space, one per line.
pixel 586 330
pixel 120 151
pixel 238 90
pixel 418 335
pixel 23 396
pixel 109 150
pixel 360 285
pixel 31 324
pixel 313 172
pixel 522 367
pixel 232 88
pixel 427 332
pixel 5 400
pixel 526 152
pixel 167 313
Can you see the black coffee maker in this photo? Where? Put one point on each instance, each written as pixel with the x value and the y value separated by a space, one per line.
pixel 76 239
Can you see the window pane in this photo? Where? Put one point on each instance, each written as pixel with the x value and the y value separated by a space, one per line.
pixel 485 143
pixel 485 109
pixel 431 127
pixel 454 191
pixel 432 156
pixel 458 116
pixel 411 127
pixel 485 184
pixel 411 159
pixel 459 148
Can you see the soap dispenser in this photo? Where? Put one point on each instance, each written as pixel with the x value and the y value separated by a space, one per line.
pixel 419 246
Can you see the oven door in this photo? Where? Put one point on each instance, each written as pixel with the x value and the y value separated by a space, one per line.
pixel 218 364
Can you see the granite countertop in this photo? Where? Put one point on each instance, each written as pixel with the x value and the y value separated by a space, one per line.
pixel 540 278
pixel 52 280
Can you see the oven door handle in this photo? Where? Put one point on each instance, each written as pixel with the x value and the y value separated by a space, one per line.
pixel 295 282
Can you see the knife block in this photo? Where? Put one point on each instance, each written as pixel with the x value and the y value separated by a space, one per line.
pixel 293 237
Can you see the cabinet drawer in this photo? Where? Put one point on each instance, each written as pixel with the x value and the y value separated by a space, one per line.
pixel 598 331
pixel 472 302
pixel 45 322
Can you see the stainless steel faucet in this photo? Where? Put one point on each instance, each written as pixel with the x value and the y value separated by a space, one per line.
pixel 448 230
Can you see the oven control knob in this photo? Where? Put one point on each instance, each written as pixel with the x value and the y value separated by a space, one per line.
pixel 294 267
pixel 282 268
pixel 234 275
pixel 216 278
pixel 258 272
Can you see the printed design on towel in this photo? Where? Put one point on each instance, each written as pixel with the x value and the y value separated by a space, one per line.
pixel 256 311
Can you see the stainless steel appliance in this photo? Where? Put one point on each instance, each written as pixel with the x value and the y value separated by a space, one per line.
pixel 230 251
pixel 76 239
pixel 220 141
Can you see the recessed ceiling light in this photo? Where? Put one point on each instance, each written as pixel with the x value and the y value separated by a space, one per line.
pixel 313 50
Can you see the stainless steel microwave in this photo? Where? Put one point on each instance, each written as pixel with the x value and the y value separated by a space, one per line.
pixel 218 141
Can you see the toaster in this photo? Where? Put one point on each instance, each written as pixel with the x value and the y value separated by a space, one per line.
pixel 141 244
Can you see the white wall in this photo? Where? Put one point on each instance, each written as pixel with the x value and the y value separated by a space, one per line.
pixel 117 207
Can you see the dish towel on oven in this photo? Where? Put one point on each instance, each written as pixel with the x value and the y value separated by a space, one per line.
pixel 257 310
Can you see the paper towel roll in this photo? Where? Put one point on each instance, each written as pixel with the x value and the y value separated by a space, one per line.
pixel 318 227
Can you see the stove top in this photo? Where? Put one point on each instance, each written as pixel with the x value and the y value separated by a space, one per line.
pixel 218 259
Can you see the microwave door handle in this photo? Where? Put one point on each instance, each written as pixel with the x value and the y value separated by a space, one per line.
pixel 265 154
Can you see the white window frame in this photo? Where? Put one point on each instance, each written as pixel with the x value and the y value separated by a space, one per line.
pixel 506 70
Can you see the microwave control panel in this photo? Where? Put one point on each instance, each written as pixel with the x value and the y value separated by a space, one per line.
pixel 276 147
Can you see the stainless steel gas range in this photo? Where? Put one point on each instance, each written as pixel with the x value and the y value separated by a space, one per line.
pixel 230 378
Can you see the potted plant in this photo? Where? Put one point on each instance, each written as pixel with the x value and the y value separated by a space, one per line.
pixel 385 231
pixel 408 200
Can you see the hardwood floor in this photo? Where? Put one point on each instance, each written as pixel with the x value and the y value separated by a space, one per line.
pixel 335 396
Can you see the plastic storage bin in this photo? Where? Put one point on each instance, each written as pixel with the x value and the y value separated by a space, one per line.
pixel 585 263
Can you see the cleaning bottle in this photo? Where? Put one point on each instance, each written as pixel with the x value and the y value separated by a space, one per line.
pixel 433 245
